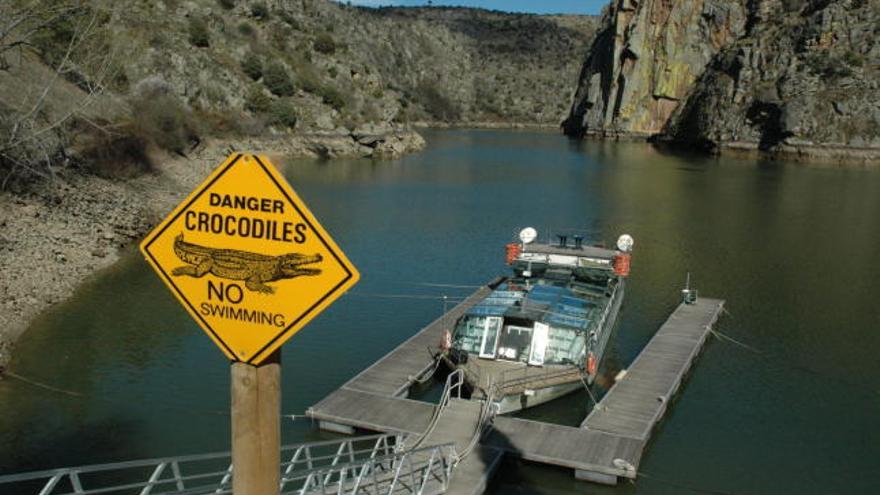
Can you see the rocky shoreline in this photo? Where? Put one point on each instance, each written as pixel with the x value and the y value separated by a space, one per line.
pixel 58 233
pixel 830 154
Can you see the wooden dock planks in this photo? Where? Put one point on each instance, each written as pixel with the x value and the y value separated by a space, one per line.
pixel 373 412
pixel 635 404
pixel 565 446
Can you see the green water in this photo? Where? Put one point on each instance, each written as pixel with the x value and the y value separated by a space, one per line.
pixel 795 250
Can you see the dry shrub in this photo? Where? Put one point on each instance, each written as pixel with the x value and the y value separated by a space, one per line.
pixel 161 118
pixel 114 153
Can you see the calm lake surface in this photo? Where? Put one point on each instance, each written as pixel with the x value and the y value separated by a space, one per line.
pixel 794 249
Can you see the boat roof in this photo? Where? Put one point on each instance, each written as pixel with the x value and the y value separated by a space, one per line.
pixel 583 251
pixel 553 304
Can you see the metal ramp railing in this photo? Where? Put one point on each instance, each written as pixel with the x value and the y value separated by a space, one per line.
pixel 369 464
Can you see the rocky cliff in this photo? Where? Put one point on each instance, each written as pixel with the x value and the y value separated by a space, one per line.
pixel 804 80
pixel 794 77
pixel 645 60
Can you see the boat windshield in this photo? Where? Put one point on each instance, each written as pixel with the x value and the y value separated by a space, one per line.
pixel 497 338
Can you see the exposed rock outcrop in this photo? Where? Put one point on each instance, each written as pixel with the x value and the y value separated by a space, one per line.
pixel 793 77
pixel 804 81
pixel 645 60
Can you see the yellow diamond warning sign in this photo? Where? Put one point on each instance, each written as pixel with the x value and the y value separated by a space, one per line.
pixel 247 259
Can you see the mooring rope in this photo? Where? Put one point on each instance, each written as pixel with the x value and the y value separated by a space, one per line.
pixel 79 395
pixel 779 361
pixel 430 374
pixel 294 417
pixel 450 286
pixel 678 484
pixel 42 385
pixel 385 295
pixel 590 392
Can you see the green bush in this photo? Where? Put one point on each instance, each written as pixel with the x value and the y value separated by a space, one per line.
pixel 260 11
pixel 227 4
pixel 437 104
pixel 289 19
pixel 215 93
pixel 256 101
pixel 198 32
pixel 252 65
pixel 333 97
pixel 325 44
pixel 283 112
pixel 854 59
pixel 245 28
pixel 277 80
pixel 309 82
pixel 332 72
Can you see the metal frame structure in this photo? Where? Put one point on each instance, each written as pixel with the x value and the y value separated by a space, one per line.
pixel 374 464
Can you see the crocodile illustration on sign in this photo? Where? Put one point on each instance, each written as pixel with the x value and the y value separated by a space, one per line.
pixel 255 269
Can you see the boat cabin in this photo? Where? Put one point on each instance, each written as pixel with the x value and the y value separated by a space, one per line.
pixel 536 322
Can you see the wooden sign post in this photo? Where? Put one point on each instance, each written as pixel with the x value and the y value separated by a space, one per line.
pixel 252 266
pixel 256 427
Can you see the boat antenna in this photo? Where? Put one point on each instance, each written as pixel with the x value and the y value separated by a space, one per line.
pixel 688 295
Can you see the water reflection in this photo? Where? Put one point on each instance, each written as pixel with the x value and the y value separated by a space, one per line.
pixel 793 249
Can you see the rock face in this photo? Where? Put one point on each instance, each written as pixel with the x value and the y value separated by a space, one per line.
pixel 646 60
pixel 805 80
pixel 794 77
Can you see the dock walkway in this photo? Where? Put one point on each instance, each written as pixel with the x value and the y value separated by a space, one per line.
pixel 637 402
pixel 608 445
pixel 395 373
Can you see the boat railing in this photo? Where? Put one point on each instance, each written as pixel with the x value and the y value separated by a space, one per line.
pixel 526 376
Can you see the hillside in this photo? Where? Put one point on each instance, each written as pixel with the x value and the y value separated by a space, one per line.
pixel 338 80
pixel 792 77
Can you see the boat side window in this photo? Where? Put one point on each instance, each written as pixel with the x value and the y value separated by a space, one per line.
pixel 565 346
pixel 491 331
pixel 469 334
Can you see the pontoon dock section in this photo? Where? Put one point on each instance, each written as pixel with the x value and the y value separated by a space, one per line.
pixel 608 445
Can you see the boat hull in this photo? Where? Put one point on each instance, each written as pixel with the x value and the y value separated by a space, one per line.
pixel 532 398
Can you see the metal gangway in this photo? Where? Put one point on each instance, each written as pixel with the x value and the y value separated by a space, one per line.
pixel 374 464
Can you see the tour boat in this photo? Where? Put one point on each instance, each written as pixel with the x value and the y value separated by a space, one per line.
pixel 541 333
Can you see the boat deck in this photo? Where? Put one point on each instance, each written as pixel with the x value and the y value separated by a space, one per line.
pixel 608 445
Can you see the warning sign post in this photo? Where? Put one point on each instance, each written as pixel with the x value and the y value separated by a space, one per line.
pixel 252 266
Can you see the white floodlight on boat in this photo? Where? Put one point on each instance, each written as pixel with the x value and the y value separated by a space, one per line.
pixel 528 235
pixel 625 243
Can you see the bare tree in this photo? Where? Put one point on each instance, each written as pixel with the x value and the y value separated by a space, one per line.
pixel 66 36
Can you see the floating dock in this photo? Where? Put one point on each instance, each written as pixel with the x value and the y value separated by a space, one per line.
pixel 608 445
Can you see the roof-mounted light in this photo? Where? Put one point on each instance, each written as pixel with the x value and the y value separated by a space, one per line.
pixel 625 243
pixel 528 235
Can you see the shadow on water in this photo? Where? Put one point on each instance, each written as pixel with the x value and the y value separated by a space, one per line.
pixel 493 442
pixel 91 443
